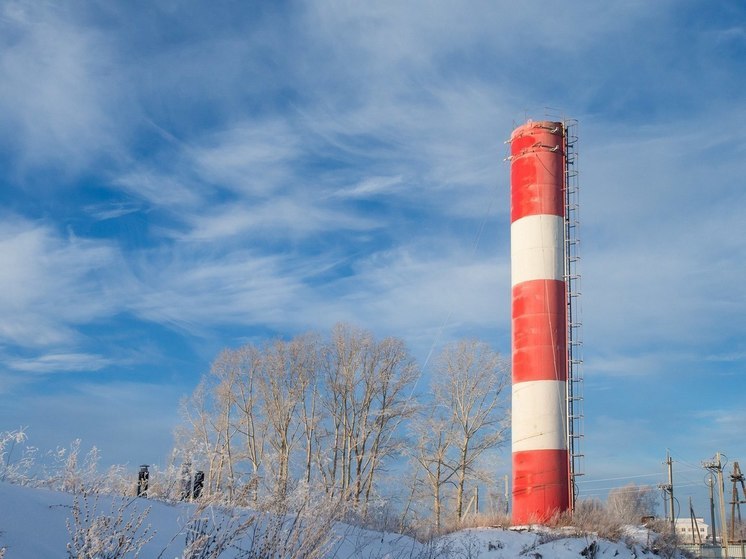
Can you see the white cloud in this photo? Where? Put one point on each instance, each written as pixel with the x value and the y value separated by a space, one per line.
pixel 417 34
pixel 49 284
pixel 194 293
pixel 727 357
pixel 255 158
pixel 280 217
pixel 59 86
pixel 663 240
pixel 368 136
pixel 426 296
pixel 722 426
pixel 159 189
pixel 371 187
pixel 631 364
pixel 60 362
pixel 106 211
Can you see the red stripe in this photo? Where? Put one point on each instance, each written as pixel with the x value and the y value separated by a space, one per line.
pixel 540 485
pixel 536 172
pixel 539 331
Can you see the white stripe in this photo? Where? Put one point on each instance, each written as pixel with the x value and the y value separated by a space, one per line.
pixel 539 415
pixel 536 248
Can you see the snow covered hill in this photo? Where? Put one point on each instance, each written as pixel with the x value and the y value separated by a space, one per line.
pixel 38 523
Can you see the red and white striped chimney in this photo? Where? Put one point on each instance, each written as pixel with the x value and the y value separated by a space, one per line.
pixel 539 334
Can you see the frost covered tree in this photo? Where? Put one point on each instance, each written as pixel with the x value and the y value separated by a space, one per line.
pixel 469 385
pixel 368 386
pixel 250 425
pixel 300 410
pixel 630 503
pixel 282 383
pixel 200 438
pixel 434 436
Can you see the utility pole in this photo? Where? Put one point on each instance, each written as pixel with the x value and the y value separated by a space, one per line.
pixel 667 488
pixel 721 488
pixel 695 524
pixel 669 462
pixel 716 466
pixel 710 482
pixel 737 477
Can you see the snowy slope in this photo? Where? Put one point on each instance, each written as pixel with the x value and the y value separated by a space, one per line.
pixel 33 526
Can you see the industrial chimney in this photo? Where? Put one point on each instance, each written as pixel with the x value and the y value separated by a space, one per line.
pixel 541 460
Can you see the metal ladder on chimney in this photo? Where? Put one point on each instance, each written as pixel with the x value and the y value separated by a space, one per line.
pixel 575 415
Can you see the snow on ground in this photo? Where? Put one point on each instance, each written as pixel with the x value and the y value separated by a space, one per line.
pixel 33 526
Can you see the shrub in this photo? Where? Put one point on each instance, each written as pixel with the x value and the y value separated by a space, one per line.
pixel 288 527
pixel 591 517
pixel 112 535
pixel 15 470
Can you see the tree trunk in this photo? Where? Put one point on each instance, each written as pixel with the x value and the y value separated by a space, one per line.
pixel 461 480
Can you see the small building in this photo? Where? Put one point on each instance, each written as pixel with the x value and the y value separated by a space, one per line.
pixel 686 530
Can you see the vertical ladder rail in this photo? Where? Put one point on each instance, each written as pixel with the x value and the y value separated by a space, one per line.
pixel 575 414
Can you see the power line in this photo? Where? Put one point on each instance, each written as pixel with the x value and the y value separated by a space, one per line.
pixel 619 478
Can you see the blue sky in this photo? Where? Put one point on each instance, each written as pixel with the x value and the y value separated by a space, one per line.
pixel 182 176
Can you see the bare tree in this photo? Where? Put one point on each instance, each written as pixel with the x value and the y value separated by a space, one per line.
pixel 282 384
pixel 470 381
pixel 395 373
pixel 211 417
pixel 339 360
pixel 309 391
pixel 325 411
pixel 630 503
pixel 434 437
pixel 195 439
pixel 368 395
pixel 250 424
pixel 226 373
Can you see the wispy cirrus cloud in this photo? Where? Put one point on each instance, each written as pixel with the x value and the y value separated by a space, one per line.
pixel 279 217
pixel 278 170
pixel 255 158
pixel 194 292
pixel 46 283
pixel 372 187
pixel 112 210
pixel 159 189
pixel 59 91
pixel 651 285
pixel 60 362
